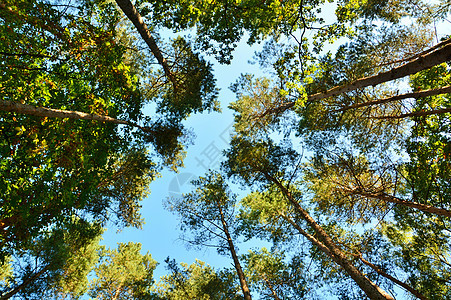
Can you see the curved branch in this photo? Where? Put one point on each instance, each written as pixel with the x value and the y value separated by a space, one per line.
pixel 392 199
pixel 389 277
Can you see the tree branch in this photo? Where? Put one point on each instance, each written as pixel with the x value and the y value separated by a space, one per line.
pixel 422 62
pixel 416 95
pixel 134 16
pixel 12 106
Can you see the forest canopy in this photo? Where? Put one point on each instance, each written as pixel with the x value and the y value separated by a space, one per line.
pixel 340 158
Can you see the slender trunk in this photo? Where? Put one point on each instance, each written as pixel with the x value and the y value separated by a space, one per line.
pixel 27 109
pixel 134 16
pixel 271 288
pixel 389 277
pixel 416 95
pixel 239 270
pixel 392 199
pixel 367 286
pixel 117 293
pixel 24 283
pixel 432 58
pixel 416 114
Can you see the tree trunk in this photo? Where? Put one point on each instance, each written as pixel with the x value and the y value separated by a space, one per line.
pixel 271 288
pixel 236 262
pixel 432 58
pixel 396 200
pixel 389 277
pixel 27 109
pixel 416 95
pixel 24 283
pixel 416 114
pixel 134 16
pixel 335 253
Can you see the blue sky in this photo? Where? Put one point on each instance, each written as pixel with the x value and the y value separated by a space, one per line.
pixel 160 235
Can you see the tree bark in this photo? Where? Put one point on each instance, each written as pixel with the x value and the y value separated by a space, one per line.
pixel 27 109
pixel 236 262
pixel 335 253
pixel 430 59
pixel 416 95
pixel 134 16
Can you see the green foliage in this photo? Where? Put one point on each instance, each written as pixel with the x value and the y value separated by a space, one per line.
pixel 273 276
pixel 221 24
pixel 264 214
pixel 55 174
pixel 257 161
pixel 77 57
pixel 429 172
pixel 208 212
pixel 58 262
pixel 123 273
pixel 341 185
pixel 421 251
pixel 196 281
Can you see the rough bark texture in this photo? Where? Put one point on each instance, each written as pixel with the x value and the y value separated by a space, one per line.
pixel 336 254
pixel 134 16
pixel 270 286
pixel 236 262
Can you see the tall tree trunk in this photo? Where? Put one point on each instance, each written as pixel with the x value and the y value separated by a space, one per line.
pixel 430 59
pixel 236 262
pixel 334 252
pixel 134 16
pixel 27 109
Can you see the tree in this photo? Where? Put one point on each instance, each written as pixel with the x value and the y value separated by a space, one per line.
pixel 209 212
pixel 267 164
pixel 274 277
pixel 58 264
pixel 68 83
pixel 196 281
pixel 357 136
pixel 123 273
